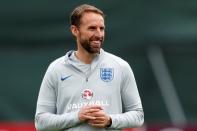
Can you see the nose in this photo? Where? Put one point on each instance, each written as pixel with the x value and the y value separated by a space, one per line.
pixel 99 32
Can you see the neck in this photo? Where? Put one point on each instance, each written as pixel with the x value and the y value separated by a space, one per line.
pixel 85 56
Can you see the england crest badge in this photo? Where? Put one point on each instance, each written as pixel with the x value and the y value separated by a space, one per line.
pixel 107 74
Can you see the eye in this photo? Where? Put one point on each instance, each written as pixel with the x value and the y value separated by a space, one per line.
pixel 92 28
pixel 102 28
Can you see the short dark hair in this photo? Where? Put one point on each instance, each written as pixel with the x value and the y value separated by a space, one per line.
pixel 80 10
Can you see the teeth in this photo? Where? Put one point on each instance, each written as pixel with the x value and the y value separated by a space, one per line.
pixel 97 42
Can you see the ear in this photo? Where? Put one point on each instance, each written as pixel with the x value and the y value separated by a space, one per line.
pixel 74 30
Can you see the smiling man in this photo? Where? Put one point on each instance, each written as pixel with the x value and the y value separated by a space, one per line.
pixel 88 89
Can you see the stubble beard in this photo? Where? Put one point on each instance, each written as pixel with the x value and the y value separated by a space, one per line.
pixel 89 47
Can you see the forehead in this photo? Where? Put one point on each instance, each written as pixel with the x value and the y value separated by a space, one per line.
pixel 91 18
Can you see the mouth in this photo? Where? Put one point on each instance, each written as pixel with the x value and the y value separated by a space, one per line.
pixel 96 43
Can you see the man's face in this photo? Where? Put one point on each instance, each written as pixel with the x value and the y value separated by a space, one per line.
pixel 91 32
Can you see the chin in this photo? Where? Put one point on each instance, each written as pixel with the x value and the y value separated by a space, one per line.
pixel 97 51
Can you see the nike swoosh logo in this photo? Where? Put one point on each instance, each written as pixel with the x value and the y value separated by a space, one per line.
pixel 66 77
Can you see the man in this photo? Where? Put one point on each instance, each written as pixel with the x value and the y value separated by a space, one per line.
pixel 88 89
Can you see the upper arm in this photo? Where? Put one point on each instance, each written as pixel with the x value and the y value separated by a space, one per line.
pixel 129 92
pixel 47 94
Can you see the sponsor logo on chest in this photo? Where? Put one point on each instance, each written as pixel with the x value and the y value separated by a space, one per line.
pixel 79 105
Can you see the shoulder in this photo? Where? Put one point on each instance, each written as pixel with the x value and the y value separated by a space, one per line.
pixel 118 63
pixel 116 60
pixel 54 65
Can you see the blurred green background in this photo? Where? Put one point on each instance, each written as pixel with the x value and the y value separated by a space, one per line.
pixel 33 33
